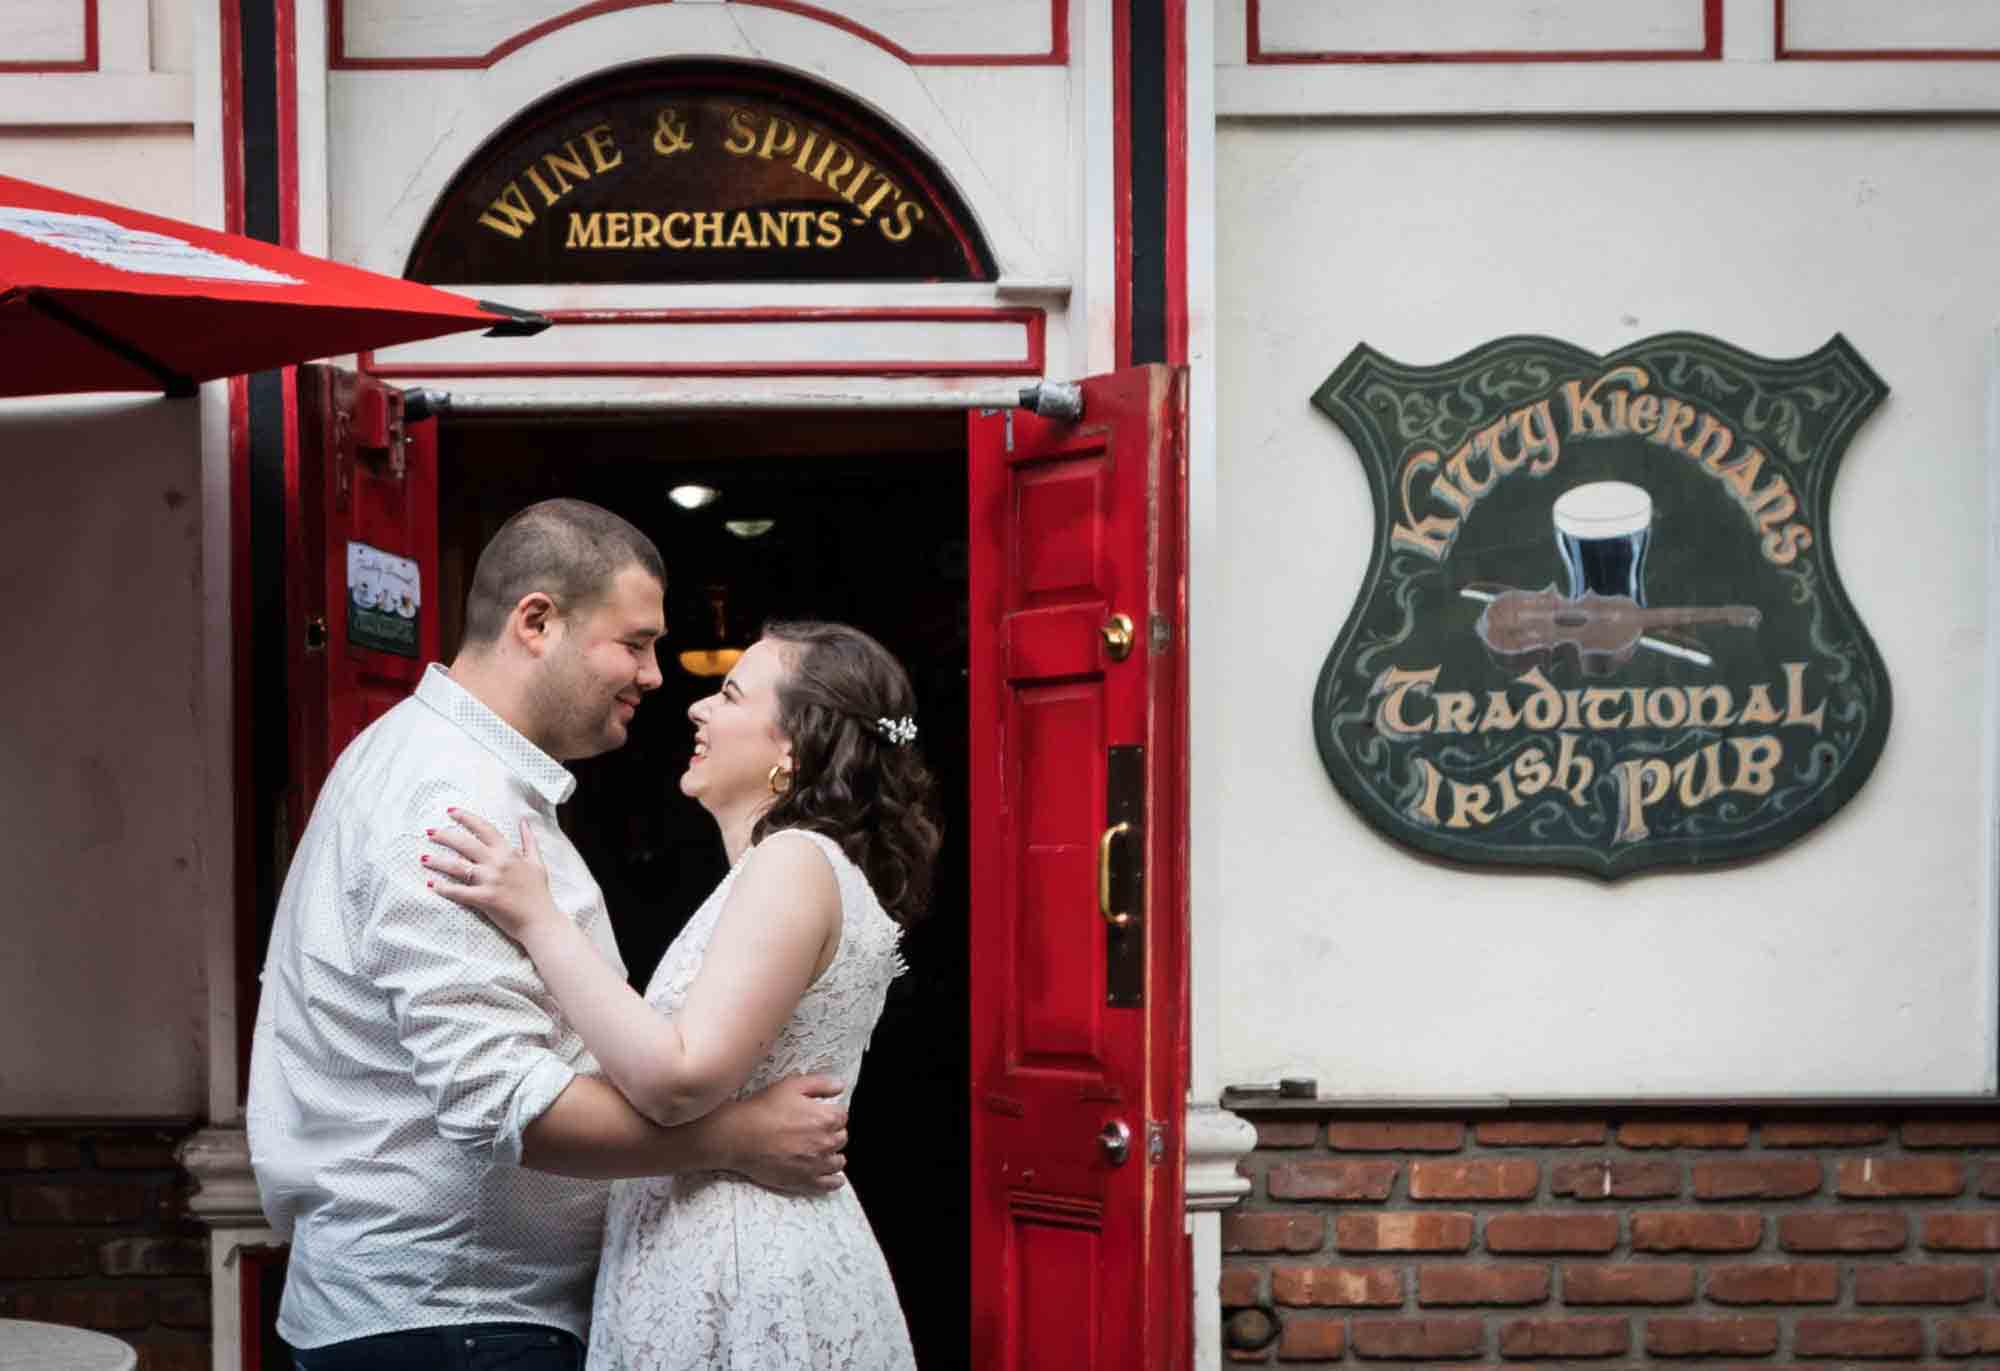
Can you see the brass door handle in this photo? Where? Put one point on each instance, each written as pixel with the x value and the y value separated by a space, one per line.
pixel 1118 918
pixel 1117 634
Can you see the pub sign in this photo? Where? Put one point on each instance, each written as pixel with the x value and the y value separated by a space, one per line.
pixel 1601 627
pixel 698 172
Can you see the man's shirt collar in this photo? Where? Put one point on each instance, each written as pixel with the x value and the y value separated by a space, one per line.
pixel 548 777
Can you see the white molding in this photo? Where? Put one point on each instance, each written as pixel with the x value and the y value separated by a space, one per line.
pixel 1991 695
pixel 225 1284
pixel 1204 1288
pixel 1204 733
pixel 1749 31
pixel 603 395
pixel 987 345
pixel 1404 26
pixel 1216 1141
pixel 97 99
pixel 309 22
pixel 225 1193
pixel 485 101
pixel 1205 581
pixel 124 35
pixel 225 1199
pixel 1870 26
pixel 1093 153
pixel 48 32
pixel 217 781
pixel 398 30
pixel 1609 88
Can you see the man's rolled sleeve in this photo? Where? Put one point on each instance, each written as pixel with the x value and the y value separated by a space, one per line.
pixel 546 1080
pixel 469 1008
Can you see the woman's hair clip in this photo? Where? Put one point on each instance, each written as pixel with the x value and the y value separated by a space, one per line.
pixel 902 732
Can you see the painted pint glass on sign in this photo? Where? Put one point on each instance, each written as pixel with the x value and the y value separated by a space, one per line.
pixel 1602 529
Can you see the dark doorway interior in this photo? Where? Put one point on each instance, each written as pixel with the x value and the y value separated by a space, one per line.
pixel 868 525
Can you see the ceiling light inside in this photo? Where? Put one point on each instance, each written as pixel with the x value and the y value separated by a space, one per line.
pixel 749 528
pixel 694 497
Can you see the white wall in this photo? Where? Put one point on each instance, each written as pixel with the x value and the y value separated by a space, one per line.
pixel 101 760
pixel 147 169
pixel 1861 959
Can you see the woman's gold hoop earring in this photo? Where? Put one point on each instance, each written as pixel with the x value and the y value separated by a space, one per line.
pixel 780 780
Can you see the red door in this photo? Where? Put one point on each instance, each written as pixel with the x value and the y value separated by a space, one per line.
pixel 361 570
pixel 1077 1042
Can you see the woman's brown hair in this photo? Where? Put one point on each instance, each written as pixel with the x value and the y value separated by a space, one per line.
pixel 851 779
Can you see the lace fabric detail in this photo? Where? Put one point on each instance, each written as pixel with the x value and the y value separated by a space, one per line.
pixel 705 1269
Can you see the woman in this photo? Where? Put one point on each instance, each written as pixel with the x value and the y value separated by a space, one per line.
pixel 805 758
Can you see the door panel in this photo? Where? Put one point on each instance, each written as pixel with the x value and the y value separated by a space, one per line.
pixel 1071 524
pixel 361 477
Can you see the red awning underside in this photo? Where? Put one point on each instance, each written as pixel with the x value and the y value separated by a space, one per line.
pixel 131 288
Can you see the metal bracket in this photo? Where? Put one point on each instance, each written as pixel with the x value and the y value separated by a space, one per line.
pixel 421 402
pixel 1054 400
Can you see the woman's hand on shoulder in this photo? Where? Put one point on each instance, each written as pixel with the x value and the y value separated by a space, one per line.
pixel 486 874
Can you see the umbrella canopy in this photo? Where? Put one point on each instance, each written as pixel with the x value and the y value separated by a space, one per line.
pixel 94 296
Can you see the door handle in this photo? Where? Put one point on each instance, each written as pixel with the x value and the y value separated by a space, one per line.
pixel 1117 634
pixel 1116 918
pixel 1116 1142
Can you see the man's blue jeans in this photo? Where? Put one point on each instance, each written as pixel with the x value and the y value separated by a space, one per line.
pixel 462 1347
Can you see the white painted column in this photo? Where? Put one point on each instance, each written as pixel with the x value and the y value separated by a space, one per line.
pixel 218 1157
pixel 1216 1139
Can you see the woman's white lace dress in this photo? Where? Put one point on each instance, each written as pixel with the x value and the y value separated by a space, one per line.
pixel 706 1270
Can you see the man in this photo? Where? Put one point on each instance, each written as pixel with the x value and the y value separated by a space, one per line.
pixel 423 1121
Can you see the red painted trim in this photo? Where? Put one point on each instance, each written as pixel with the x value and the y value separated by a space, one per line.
pixel 241 613
pixel 1889 55
pixel 1169 1061
pixel 88 62
pixel 1121 184
pixel 1033 321
pixel 336 27
pixel 1709 51
pixel 285 28
pixel 250 1310
pixel 254 1272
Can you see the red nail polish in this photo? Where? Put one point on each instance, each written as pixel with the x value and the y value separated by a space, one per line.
pixel 425 859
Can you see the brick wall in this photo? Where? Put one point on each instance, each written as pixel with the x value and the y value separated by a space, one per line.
pixel 94 1233
pixel 1597 1237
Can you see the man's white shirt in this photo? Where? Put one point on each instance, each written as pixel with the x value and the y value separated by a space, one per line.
pixel 403 1044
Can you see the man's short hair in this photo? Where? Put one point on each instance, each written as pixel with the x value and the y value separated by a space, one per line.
pixel 571 550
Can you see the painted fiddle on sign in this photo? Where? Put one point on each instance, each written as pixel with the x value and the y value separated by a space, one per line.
pixel 1524 628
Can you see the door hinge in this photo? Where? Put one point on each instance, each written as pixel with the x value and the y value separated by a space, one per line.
pixel 1162 634
pixel 1008 421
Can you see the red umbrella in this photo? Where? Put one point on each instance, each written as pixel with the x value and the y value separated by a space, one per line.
pixel 94 296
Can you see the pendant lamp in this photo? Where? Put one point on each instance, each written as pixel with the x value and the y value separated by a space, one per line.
pixel 716 653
